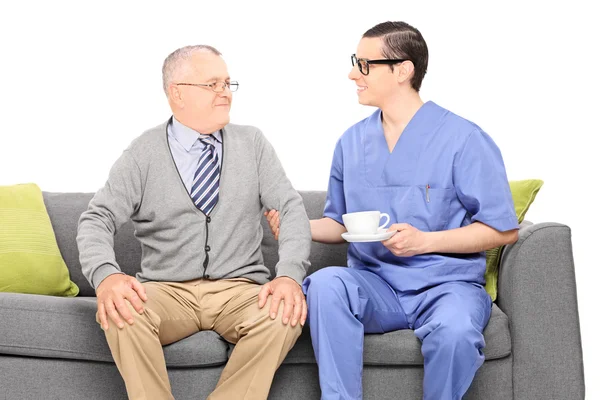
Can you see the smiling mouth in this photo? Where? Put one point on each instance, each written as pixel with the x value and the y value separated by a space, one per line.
pixel 361 89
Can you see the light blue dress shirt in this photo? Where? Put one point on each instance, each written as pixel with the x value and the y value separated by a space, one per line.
pixel 186 149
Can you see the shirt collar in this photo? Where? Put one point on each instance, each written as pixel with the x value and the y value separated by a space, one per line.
pixel 187 136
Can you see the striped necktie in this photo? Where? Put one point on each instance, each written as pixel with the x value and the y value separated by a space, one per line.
pixel 205 188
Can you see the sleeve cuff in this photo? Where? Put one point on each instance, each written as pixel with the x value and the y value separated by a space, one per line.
pixel 501 224
pixel 295 273
pixel 102 272
pixel 336 217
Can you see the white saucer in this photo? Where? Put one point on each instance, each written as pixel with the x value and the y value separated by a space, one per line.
pixel 379 236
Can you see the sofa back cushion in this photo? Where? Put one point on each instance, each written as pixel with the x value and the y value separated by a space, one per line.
pixel 321 255
pixel 65 209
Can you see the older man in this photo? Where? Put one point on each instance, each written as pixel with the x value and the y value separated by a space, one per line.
pixel 194 188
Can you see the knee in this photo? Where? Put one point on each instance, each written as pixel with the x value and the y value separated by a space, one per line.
pixel 288 332
pixel 276 326
pixel 325 281
pixel 458 334
pixel 140 321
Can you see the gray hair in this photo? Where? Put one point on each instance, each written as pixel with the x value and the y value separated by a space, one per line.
pixel 175 60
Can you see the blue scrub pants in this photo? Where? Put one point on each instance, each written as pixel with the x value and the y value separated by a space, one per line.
pixel 345 303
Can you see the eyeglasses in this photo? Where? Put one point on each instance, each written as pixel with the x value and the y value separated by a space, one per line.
pixel 217 87
pixel 363 63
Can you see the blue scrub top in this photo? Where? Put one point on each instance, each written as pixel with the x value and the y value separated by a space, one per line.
pixel 444 173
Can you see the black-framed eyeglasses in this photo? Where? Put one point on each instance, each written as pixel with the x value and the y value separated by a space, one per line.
pixel 217 87
pixel 363 63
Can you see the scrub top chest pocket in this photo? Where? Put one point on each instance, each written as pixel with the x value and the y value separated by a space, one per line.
pixel 432 206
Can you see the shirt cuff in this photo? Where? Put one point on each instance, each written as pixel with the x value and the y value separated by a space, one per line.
pixel 102 272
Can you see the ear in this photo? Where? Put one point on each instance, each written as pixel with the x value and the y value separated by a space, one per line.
pixel 404 71
pixel 176 96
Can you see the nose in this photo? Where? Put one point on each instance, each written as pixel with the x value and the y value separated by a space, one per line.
pixel 354 73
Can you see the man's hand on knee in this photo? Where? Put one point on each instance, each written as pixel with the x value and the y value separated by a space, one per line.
pixel 111 295
pixel 294 302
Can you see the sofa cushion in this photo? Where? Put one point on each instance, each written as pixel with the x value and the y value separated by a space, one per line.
pixel 57 327
pixel 321 255
pixel 64 210
pixel 404 348
pixel 30 259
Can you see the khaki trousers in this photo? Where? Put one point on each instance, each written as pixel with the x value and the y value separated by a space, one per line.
pixel 175 310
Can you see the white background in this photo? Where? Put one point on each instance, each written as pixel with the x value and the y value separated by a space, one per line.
pixel 79 81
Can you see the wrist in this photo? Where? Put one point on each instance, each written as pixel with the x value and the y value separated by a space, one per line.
pixel 429 242
pixel 289 278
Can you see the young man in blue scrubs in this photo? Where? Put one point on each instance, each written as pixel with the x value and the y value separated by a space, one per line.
pixel 443 183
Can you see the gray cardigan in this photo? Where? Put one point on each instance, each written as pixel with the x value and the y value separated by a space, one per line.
pixel 179 242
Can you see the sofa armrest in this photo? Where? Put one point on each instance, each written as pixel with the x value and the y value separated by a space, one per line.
pixel 536 290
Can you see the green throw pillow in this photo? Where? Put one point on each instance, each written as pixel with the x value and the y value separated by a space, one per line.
pixel 523 194
pixel 30 261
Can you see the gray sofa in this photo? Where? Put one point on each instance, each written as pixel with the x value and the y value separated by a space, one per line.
pixel 52 348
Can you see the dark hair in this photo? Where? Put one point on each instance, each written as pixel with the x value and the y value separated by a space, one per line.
pixel 402 41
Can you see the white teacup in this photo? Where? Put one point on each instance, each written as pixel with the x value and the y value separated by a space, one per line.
pixel 364 222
